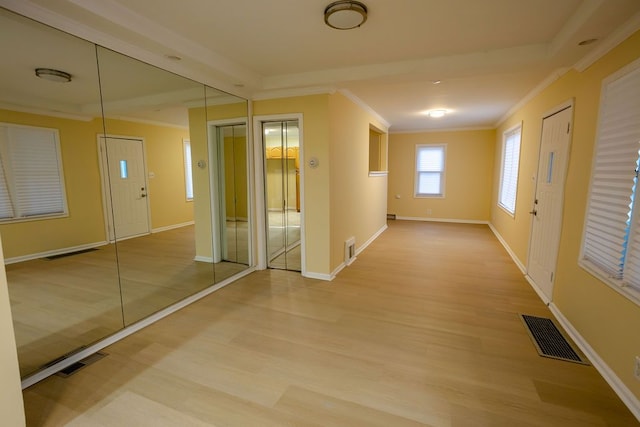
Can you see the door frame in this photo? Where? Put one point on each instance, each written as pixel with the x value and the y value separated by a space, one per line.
pixel 107 206
pixel 260 199
pixel 217 205
pixel 555 110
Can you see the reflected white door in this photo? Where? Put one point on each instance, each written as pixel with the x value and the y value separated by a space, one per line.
pixel 548 203
pixel 127 182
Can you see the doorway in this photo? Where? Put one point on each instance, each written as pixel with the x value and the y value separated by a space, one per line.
pixel 548 203
pixel 281 149
pixel 124 173
pixel 229 186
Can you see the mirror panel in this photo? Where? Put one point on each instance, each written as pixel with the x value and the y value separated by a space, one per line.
pixel 147 124
pixel 62 272
pixel 226 117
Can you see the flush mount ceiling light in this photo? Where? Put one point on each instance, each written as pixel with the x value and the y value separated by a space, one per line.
pixel 345 14
pixel 436 113
pixel 53 75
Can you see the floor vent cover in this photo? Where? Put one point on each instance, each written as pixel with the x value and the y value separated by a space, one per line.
pixel 72 369
pixel 82 251
pixel 549 341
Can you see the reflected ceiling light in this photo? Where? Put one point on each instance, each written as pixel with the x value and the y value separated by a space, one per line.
pixel 345 14
pixel 436 113
pixel 53 75
pixel 587 42
pixel 436 82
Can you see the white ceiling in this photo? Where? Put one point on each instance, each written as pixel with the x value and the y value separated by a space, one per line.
pixel 488 54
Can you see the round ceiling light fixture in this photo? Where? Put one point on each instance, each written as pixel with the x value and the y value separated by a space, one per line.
pixel 436 113
pixel 345 14
pixel 53 75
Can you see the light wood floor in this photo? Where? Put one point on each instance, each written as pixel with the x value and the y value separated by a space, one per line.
pixel 422 329
pixel 63 304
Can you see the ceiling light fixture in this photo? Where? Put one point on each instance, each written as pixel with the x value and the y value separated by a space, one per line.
pixel 345 14
pixel 53 75
pixel 587 42
pixel 436 113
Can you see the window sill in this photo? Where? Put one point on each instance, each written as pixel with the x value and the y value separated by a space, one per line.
pixel 378 173
pixel 507 211
pixel 626 291
pixel 428 196
pixel 34 218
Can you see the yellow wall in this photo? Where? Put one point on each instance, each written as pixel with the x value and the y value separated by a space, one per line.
pixel 198 118
pixel 604 318
pixel 80 162
pixel 315 143
pixel 164 157
pixel 468 175
pixel 11 405
pixel 358 201
pixel 84 225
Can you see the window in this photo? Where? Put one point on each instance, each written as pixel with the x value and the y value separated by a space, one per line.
pixel 188 173
pixel 31 178
pixel 611 246
pixel 509 169
pixel 430 160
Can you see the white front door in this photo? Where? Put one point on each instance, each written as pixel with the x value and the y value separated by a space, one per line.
pixel 129 210
pixel 548 203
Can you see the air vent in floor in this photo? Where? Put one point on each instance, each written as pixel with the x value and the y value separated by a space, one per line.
pixel 72 369
pixel 549 341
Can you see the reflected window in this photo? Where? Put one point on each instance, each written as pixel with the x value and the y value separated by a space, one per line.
pixel 31 177
pixel 124 170
pixel 188 175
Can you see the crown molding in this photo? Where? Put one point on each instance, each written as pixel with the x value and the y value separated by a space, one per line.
pixel 431 130
pixel 365 107
pixel 605 46
pixel 555 75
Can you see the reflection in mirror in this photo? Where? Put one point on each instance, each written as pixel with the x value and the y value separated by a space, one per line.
pixel 227 186
pixel 282 179
pixel 150 208
pixel 61 270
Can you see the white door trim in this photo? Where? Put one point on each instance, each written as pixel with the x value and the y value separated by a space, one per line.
pixel 107 209
pixel 259 162
pixel 547 299
pixel 217 210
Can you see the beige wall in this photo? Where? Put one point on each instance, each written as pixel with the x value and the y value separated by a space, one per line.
pixel 315 142
pixel 358 201
pixel 164 157
pixel 468 175
pixel 80 162
pixel 604 318
pixel 198 118
pixel 11 405
pixel 84 225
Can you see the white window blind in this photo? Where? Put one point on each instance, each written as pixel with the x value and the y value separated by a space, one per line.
pixel 188 173
pixel 31 179
pixel 509 170
pixel 430 163
pixel 612 230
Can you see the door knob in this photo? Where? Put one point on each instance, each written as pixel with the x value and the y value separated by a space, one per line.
pixel 534 212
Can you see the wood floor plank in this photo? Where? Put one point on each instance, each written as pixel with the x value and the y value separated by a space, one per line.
pixel 422 329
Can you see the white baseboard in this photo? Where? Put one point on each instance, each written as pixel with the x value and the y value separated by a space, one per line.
pixel 319 276
pixel 619 387
pixel 172 227
pixel 40 375
pixel 204 259
pixel 371 239
pixel 512 254
pixel 342 265
pixel 54 252
pixel 457 221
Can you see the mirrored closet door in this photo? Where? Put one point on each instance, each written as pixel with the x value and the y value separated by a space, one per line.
pixel 110 206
